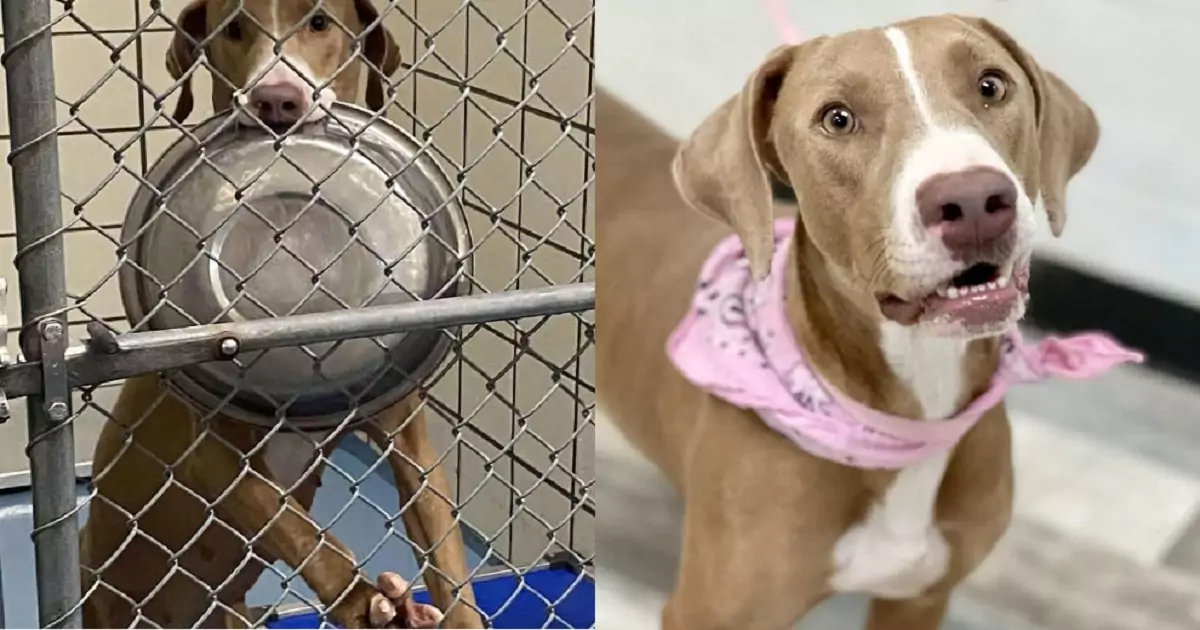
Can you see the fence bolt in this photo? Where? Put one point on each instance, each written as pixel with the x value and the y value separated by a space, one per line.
pixel 57 411
pixel 229 346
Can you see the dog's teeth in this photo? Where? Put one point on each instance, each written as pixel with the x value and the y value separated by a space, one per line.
pixel 1002 282
pixel 991 286
pixel 941 291
pixel 952 292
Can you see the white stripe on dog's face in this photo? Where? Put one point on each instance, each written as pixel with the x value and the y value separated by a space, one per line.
pixel 904 58
pixel 289 69
pixel 938 147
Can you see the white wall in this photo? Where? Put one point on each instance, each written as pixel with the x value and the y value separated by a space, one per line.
pixel 1133 215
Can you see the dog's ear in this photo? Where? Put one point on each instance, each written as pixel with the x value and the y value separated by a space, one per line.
pixel 191 27
pixel 380 49
pixel 722 168
pixel 1067 127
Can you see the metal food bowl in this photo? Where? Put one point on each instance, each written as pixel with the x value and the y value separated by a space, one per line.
pixel 345 213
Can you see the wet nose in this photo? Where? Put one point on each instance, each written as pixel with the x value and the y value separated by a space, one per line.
pixel 277 104
pixel 969 209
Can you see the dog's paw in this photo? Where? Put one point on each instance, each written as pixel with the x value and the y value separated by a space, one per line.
pixel 387 604
pixel 394 604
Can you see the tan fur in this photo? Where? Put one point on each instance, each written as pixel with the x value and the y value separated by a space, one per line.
pixel 762 516
pixel 145 464
pixel 325 52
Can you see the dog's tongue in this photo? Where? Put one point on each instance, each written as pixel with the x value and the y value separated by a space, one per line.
pixel 970 310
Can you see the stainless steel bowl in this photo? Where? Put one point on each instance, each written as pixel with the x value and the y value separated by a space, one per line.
pixel 236 232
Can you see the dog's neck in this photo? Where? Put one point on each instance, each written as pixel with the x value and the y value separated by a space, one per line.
pixel 892 368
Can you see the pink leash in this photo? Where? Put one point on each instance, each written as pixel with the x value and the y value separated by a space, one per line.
pixel 779 15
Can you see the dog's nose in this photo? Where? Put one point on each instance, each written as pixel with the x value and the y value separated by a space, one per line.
pixel 969 209
pixel 280 104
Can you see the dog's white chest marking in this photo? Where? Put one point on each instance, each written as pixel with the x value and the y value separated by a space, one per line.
pixel 289 455
pixel 896 551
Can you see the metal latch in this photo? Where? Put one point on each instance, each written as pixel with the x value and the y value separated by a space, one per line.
pixel 56 389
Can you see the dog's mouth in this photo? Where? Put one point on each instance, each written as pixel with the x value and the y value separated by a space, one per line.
pixel 982 298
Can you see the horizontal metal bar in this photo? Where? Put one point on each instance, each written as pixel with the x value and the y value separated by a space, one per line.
pixel 146 352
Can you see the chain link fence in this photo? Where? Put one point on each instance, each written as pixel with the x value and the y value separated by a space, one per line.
pixel 196 518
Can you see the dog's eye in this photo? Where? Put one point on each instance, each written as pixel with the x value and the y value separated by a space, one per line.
pixel 993 88
pixel 233 30
pixel 319 22
pixel 838 120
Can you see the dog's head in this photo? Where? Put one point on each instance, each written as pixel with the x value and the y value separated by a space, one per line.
pixel 917 153
pixel 279 58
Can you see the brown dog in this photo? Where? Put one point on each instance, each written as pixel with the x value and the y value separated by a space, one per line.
pixel 916 152
pixel 156 461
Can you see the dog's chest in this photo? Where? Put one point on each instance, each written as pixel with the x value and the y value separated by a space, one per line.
pixel 289 455
pixel 896 550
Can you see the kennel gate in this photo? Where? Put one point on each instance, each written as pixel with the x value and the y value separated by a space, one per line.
pixel 499 93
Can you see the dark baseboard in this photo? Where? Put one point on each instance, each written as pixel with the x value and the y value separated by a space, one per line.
pixel 1069 299
pixel 1066 298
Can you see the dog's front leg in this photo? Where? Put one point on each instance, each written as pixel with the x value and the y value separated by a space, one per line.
pixel 280 526
pixel 728 580
pixel 403 434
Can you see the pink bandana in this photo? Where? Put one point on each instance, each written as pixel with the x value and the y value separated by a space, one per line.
pixel 736 343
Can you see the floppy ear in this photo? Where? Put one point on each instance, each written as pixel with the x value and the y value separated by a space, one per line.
pixel 721 169
pixel 379 47
pixel 190 28
pixel 1067 128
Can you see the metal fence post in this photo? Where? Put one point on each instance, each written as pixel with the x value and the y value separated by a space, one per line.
pixel 29 66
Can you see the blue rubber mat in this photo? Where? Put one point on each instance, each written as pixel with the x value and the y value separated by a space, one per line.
pixel 552 597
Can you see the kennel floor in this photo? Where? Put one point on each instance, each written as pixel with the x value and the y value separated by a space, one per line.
pixel 547 597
